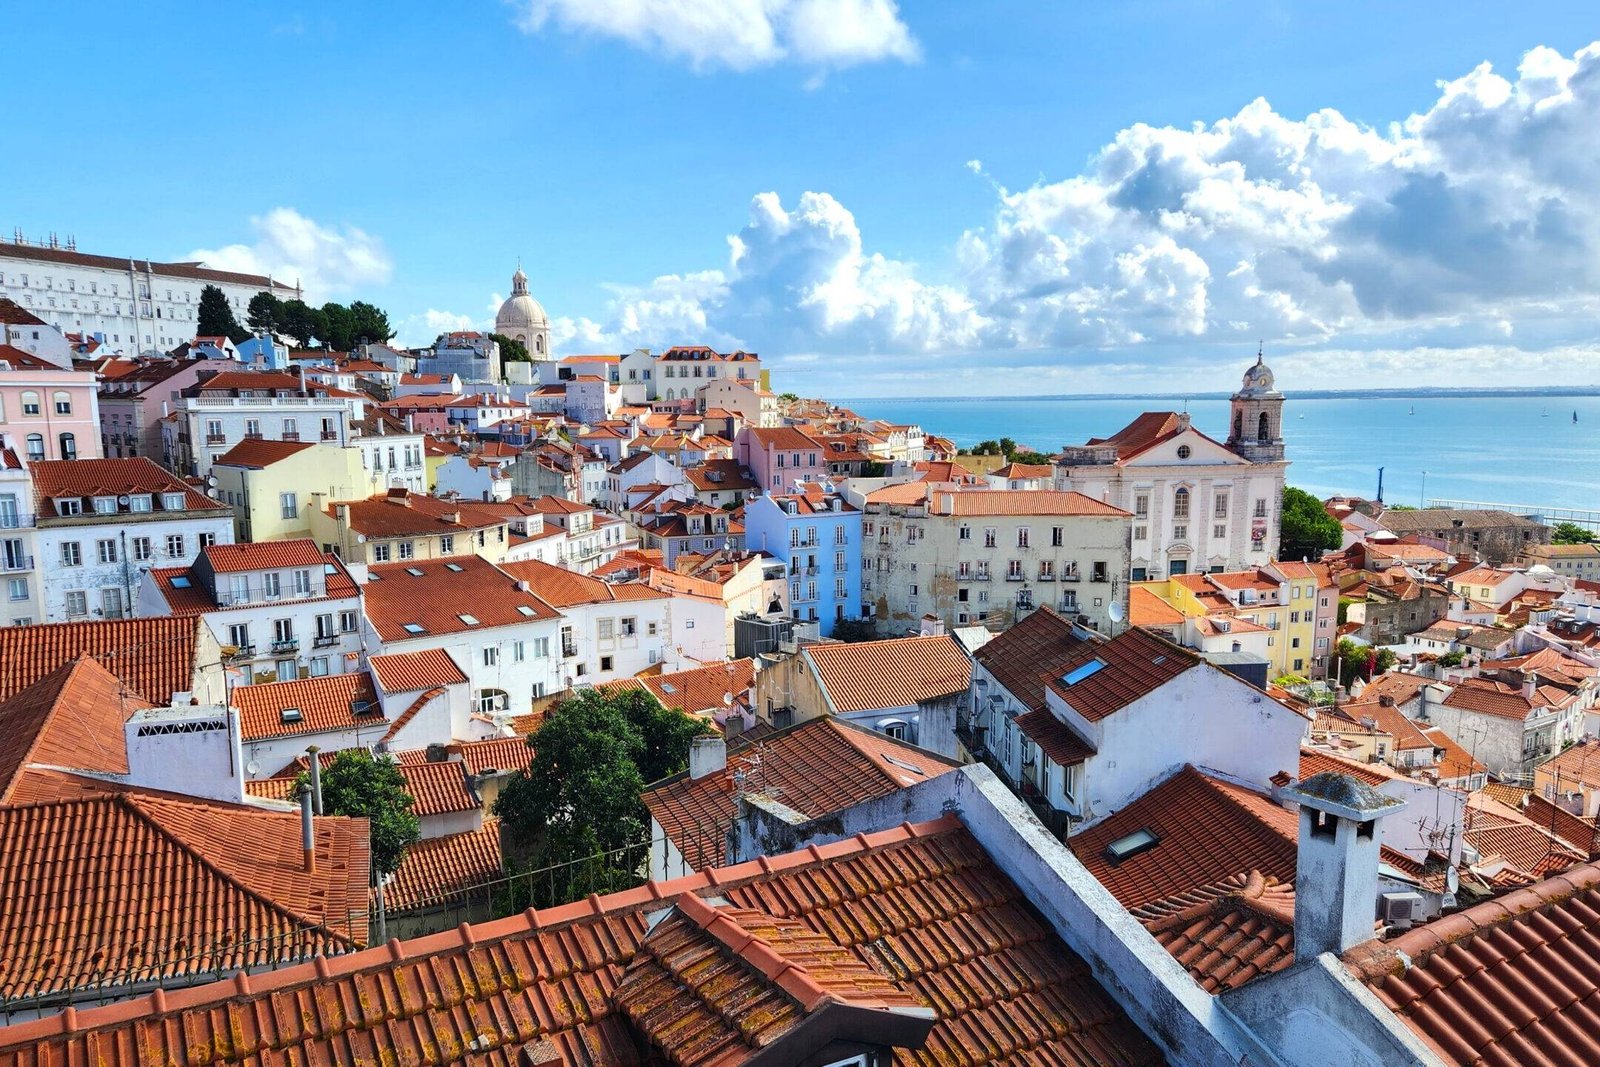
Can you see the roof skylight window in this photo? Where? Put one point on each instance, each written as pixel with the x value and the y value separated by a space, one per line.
pixel 414 628
pixel 1129 846
pixel 1083 671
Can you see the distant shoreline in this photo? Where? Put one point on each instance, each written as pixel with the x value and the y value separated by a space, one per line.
pixel 1416 393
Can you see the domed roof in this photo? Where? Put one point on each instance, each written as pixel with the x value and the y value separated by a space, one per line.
pixel 1258 380
pixel 520 313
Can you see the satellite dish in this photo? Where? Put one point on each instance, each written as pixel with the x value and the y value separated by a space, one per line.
pixel 252 768
pixel 1452 880
pixel 1116 611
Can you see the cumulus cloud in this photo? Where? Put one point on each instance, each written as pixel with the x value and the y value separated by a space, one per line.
pixel 738 34
pixel 329 261
pixel 421 329
pixel 1446 229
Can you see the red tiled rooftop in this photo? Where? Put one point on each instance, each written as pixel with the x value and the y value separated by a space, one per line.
pixel 894 673
pixel 264 556
pixel 407 672
pixel 1135 664
pixel 1015 995
pixel 442 592
pixel 57 478
pixel 1233 938
pixel 154 657
pixel 699 690
pixel 816 768
pixel 445 869
pixel 257 453
pixel 439 788
pixel 1042 643
pixel 72 717
pixel 325 704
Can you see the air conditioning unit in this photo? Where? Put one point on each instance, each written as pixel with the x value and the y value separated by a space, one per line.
pixel 1400 911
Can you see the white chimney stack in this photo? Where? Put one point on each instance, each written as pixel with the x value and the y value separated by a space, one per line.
pixel 707 755
pixel 1336 872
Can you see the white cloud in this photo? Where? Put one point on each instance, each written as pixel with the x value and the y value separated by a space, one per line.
pixel 738 34
pixel 1444 231
pixel 421 329
pixel 328 261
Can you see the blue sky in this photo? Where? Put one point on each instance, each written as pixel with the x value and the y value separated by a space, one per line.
pixel 935 198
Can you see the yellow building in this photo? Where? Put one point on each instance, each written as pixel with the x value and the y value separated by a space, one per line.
pixel 275 486
pixel 398 526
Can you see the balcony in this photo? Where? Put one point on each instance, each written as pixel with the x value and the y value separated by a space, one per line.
pixel 13 564
pixel 289 644
pixel 1014 578
pixel 330 435
pixel 291 435
pixel 325 641
pixel 243 652
pixel 569 649
pixel 17 520
pixel 252 435
pixel 216 438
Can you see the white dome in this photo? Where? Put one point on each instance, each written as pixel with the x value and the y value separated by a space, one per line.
pixel 1258 380
pixel 521 313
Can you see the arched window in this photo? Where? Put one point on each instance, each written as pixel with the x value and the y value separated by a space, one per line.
pixel 62 401
pixel 1264 433
pixel 1180 503
pixel 1238 426
pixel 69 446
pixel 35 446
pixel 538 343
pixel 30 402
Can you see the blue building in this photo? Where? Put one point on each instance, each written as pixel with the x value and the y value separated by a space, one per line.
pixel 264 351
pixel 818 536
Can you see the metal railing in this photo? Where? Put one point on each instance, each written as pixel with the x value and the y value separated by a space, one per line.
pixel 16 564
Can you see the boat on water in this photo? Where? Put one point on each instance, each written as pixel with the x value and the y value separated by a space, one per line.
pixel 1413 410
pixel 1545 414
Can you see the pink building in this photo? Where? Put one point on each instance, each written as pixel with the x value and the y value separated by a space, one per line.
pixel 782 456
pixel 133 404
pixel 48 413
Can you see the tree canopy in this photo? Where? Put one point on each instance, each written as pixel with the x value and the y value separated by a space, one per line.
pixel 1361 661
pixel 511 349
pixel 575 812
pixel 1306 530
pixel 357 784
pixel 1570 533
pixel 338 327
pixel 215 317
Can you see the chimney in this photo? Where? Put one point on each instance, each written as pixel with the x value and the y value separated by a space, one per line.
pixel 316 779
pixel 308 837
pixel 707 755
pixel 1530 685
pixel 1336 872
pixel 931 626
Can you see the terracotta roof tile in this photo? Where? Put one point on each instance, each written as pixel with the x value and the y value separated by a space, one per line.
pixel 325 704
pixel 149 886
pixel 440 788
pixel 893 673
pixel 72 717
pixel 56 478
pixel 257 453
pixel 1134 664
pixel 413 514
pixel 408 672
pixel 444 869
pixel 1313 762
pixel 1209 830
pixel 153 657
pixel 442 592
pixel 1234 938
pixel 562 588
pixel 817 768
pixel 264 555
pixel 1145 608
pixel 1043 643
pixel 696 691
pixel 1490 697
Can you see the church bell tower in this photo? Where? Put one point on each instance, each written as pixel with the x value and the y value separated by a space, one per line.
pixel 1256 427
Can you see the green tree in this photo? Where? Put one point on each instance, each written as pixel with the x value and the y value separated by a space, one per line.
pixel 337 331
pixel 1008 447
pixel 1031 458
pixel 303 322
pixel 854 630
pixel 369 323
pixel 511 349
pixel 1361 661
pixel 1570 533
pixel 666 733
pixel 1306 530
pixel 265 313
pixel 215 317
pixel 357 784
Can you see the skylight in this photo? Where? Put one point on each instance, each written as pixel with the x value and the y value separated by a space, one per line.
pixel 523 609
pixel 414 572
pixel 470 620
pixel 1125 848
pixel 453 567
pixel 414 628
pixel 180 582
pixel 1082 671
pixel 669 687
pixel 902 764
pixel 290 714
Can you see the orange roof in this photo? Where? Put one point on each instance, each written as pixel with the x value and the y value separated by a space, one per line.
pixel 1208 829
pixel 562 588
pixel 1490 697
pixel 1314 761
pixel 816 768
pixel 909 493
pixel 699 690
pixel 408 672
pixel 1134 664
pixel 893 673
pixel 549 976
pixel 446 596
pixel 1015 471
pixel 411 514
pixel 19 359
pixel 259 452
pixel 441 869
pixel 137 886
pixel 72 717
pixel 264 556
pixel 1478 986
pixel 251 381
pixel 1041 644
pixel 154 657
pixel 1226 941
pixel 326 703
pixel 55 478
pixel 440 787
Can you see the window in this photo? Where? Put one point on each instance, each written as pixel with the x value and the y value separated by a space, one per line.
pixel 606 629
pixel 1022 537
pixel 1014 571
pixel 491 656
pixel 966 532
pixel 239 635
pixel 282 631
pixel 407 549
pixel 69 506
pixel 1139 574
pixel 207 540
pixel 1180 503
pixel 172 501
pixel 519 651
pixel 1047 570
pixel 291 430
pixel 77 604
pixel 1184 452
pixel 17 589
pixel 605 663
pixel 1141 505
pixel 989 537
pixel 106 549
pixel 380 553
pixel 630 627
pixel 1219 505
pixel 71 554
pixel 141 549
pixel 347 622
pixel 105 505
pixel 288 506
pixel 252 427
pixel 30 403
pixel 272 583
pixel 111 603
pixel 1055 536
pixel 69 446
pixel 35 446
pixel 1141 533
pixel 302 583
pixel 447 544
pixel 325 627
pixel 214 434
pixel 63 402
pixel 1261 509
pixel 1219 531
pixel 1180 533
pixel 319 667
